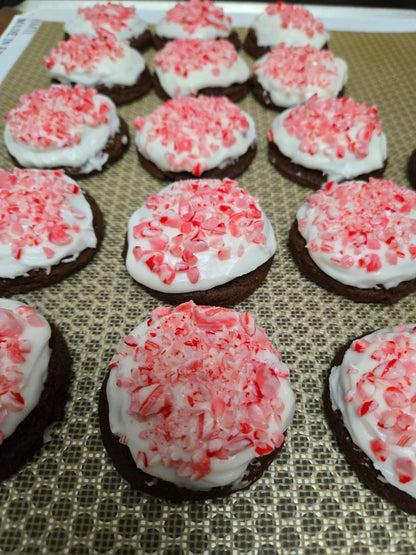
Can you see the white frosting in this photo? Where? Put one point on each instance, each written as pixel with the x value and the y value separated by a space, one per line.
pixel 122 71
pixel 34 368
pixel 352 386
pixel 328 259
pixel 335 169
pixel 177 85
pixel 171 30
pixel 81 26
pixel 129 427
pixel 35 257
pixel 286 96
pixel 212 270
pixel 87 154
pixel 269 33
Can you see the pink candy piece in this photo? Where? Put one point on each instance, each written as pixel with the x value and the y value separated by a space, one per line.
pixel 296 17
pixel 113 16
pixel 202 387
pixel 197 14
pixel 56 117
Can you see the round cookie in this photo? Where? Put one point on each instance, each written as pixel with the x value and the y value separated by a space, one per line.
pixel 289 75
pixel 124 21
pixel 205 240
pixel 368 402
pixel 358 240
pixel 194 19
pixel 35 367
pixel 328 140
pixel 111 67
pixel 205 408
pixel 281 22
pixel 75 129
pixel 50 229
pixel 186 137
pixel 185 67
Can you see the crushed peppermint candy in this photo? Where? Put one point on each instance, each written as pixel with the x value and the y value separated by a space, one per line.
pixel 385 395
pixel 207 383
pixel 296 17
pixel 202 213
pixel 196 14
pixel 183 56
pixel 194 128
pixel 113 16
pixel 56 117
pixel 335 126
pixel 83 52
pixel 363 225
pixel 299 66
pixel 33 204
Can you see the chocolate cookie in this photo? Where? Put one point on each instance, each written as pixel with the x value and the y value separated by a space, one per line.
pixel 355 457
pixel 313 179
pixel 142 42
pixel 123 462
pixel 29 435
pixel 36 279
pixel 251 46
pixel 309 269
pixel 160 42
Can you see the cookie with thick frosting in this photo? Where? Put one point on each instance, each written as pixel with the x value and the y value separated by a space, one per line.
pixel 195 404
pixel 358 240
pixel 111 67
pixel 50 229
pixel 328 140
pixel 75 129
pixel 202 239
pixel 289 75
pixel 203 136
pixel 369 403
pixel 35 367
pixel 117 18
pixel 194 19
pixel 186 67
pixel 281 22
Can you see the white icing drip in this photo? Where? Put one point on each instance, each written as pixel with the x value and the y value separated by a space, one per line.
pixel 171 30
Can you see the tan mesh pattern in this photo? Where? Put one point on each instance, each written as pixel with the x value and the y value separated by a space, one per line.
pixel 69 499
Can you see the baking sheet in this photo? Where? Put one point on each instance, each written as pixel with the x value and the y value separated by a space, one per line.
pixel 69 499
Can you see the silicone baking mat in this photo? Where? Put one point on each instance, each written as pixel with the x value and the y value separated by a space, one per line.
pixel 69 499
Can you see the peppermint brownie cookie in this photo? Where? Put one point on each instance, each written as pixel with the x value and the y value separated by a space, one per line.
pixel 186 67
pixel 358 240
pixel 124 21
pixel 75 129
pixel 195 404
pixel 369 403
pixel 289 75
pixel 328 140
pixel 49 229
pixel 204 136
pixel 206 240
pixel 35 367
pixel 195 19
pixel 281 22
pixel 113 68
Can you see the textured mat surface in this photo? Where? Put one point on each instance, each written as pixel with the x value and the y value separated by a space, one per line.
pixel 69 499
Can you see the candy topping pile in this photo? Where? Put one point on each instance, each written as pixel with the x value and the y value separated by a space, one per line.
pixel 296 17
pixel 55 117
pixel 183 56
pixel 194 14
pixel 299 66
pixel 14 349
pixel 364 225
pixel 206 383
pixel 82 52
pixel 33 205
pixel 194 127
pixel 335 125
pixel 200 214
pixel 385 396
pixel 112 16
